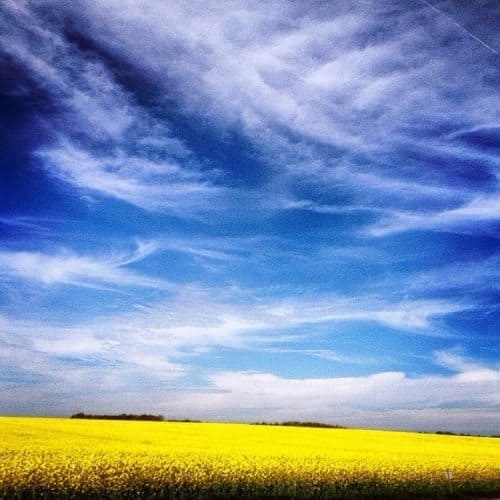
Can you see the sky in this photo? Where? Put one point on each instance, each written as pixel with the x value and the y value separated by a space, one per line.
pixel 248 211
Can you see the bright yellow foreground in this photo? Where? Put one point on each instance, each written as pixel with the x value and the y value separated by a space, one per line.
pixel 174 460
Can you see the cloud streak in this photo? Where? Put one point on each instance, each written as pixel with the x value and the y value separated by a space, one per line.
pixel 480 211
pixel 474 37
pixel 66 268
pixel 331 83
pixel 156 185
pixel 105 142
pixel 207 319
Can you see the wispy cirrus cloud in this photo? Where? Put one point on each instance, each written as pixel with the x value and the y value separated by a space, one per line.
pixel 314 95
pixel 153 184
pixel 305 74
pixel 468 277
pixel 195 318
pixel 35 224
pixel 105 142
pixel 481 212
pixel 67 268
pixel 129 354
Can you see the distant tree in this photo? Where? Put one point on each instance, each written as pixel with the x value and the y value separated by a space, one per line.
pixel 123 416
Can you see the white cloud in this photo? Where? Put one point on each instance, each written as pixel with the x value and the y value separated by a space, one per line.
pixel 471 277
pixel 160 185
pixel 334 79
pixel 372 84
pixel 27 223
pixel 406 315
pixel 468 371
pixel 381 399
pixel 106 142
pixel 80 358
pixel 481 210
pixel 465 401
pixel 87 271
pixel 84 86
pixel 197 320
pixel 117 361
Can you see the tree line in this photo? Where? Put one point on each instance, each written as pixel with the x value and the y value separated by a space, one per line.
pixel 123 416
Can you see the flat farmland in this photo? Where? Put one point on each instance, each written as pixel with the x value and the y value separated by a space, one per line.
pixel 65 458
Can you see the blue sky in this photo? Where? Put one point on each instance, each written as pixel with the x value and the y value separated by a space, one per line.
pixel 252 211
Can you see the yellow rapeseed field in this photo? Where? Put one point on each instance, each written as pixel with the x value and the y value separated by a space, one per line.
pixel 63 458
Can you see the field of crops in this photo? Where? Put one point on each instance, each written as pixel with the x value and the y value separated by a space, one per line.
pixel 62 458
